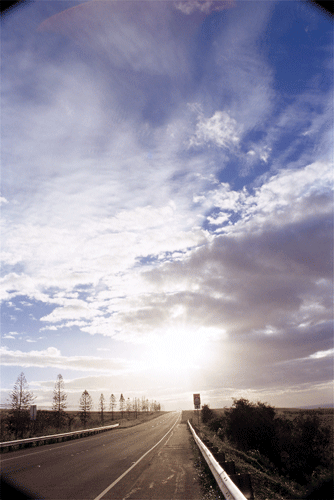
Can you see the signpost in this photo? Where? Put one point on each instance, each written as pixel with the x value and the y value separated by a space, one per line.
pixel 33 412
pixel 197 404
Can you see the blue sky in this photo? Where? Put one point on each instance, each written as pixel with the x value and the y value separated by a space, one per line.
pixel 166 200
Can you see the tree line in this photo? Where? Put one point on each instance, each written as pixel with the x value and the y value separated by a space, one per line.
pixel 21 398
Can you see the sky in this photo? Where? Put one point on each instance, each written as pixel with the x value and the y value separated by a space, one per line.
pixel 167 201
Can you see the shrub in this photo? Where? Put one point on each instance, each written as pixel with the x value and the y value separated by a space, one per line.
pixel 251 426
pixel 307 447
pixel 18 422
pixel 297 447
pixel 207 414
pixel 218 425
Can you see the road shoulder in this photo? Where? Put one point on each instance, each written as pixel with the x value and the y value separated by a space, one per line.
pixel 171 474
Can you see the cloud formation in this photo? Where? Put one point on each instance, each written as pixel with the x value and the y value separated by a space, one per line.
pixel 220 130
pixel 51 357
pixel 165 197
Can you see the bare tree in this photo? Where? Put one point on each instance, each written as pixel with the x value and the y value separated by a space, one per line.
pixel 136 406
pixel 155 406
pixel 128 406
pixel 122 404
pixel 102 406
pixel 144 404
pixel 112 405
pixel 85 405
pixel 20 400
pixel 59 400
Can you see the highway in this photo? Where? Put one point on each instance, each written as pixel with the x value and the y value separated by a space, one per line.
pixel 103 466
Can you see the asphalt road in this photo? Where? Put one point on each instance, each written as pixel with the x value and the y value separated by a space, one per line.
pixel 97 467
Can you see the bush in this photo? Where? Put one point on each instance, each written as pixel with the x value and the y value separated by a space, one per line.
pixel 207 414
pixel 218 425
pixel 18 422
pixel 296 447
pixel 251 426
pixel 306 448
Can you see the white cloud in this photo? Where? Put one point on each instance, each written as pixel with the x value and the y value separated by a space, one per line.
pixel 46 328
pixel 51 357
pixel 78 310
pixel 276 258
pixel 226 199
pixel 96 253
pixel 206 6
pixel 219 219
pixel 322 354
pixel 220 130
pixel 259 151
pixel 291 196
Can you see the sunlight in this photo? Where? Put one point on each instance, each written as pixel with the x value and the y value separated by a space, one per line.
pixel 180 349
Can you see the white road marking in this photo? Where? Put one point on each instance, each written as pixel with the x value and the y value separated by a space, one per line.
pixel 134 465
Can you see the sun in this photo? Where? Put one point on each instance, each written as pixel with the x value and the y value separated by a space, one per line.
pixel 177 349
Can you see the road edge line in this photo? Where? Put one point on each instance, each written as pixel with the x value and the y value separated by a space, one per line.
pixel 133 465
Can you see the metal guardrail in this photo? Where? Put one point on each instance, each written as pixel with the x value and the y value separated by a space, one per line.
pixel 9 444
pixel 226 485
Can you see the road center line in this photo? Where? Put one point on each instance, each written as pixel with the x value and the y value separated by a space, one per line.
pixel 134 465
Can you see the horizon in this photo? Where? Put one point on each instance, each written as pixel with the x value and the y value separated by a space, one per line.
pixel 324 406
pixel 167 201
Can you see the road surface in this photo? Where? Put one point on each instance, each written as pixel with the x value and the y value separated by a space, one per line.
pixel 152 460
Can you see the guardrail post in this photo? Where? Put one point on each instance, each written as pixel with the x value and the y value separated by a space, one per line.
pixel 220 457
pixel 229 467
pixel 244 483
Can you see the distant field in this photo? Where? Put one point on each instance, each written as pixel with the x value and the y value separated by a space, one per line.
pixel 188 415
pixel 325 415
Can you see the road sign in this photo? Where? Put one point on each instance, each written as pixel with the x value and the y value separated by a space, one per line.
pixel 197 401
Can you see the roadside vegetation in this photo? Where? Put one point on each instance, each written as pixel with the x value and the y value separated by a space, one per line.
pixel 17 422
pixel 288 452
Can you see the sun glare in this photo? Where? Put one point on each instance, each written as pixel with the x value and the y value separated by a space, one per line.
pixel 179 350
